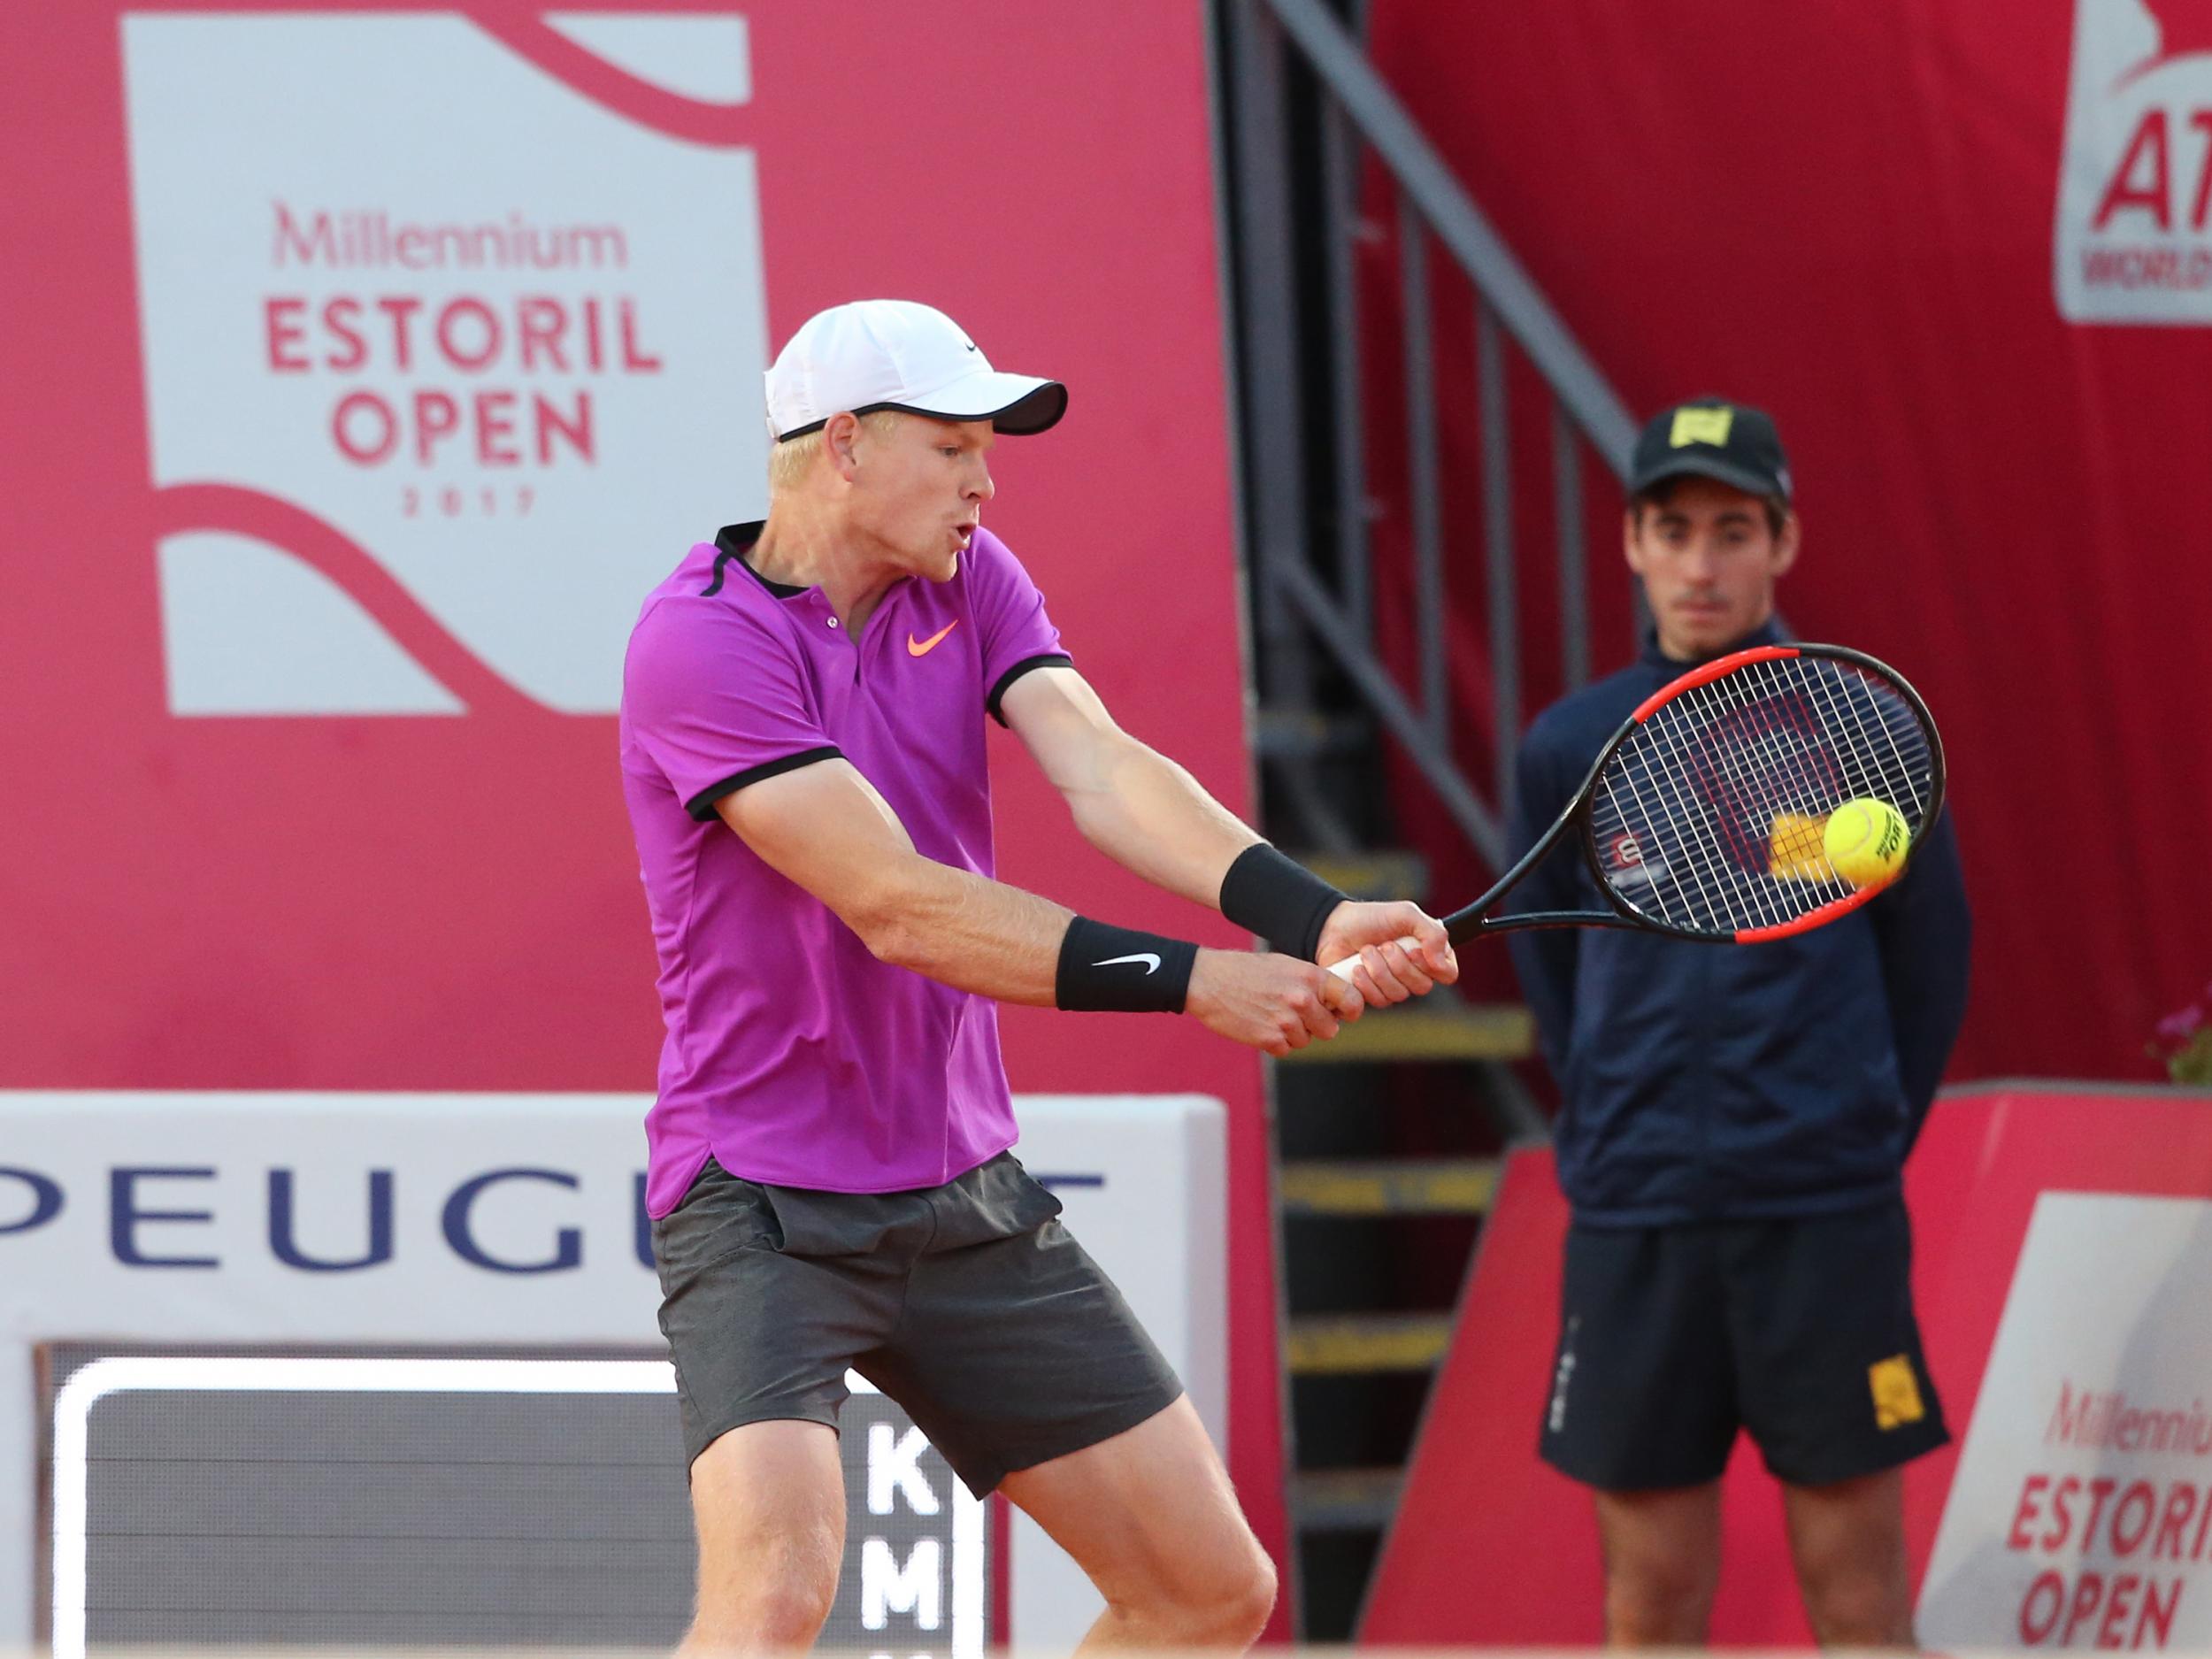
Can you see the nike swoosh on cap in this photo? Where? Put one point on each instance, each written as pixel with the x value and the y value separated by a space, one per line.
pixel 1150 961
pixel 930 643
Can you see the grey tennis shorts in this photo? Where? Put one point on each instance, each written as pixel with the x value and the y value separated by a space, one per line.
pixel 968 1304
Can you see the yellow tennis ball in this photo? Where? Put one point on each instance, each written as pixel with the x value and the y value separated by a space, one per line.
pixel 1866 840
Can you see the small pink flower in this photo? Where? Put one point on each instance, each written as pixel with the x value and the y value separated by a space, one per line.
pixel 2179 1027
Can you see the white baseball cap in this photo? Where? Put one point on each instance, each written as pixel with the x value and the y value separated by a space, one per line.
pixel 896 354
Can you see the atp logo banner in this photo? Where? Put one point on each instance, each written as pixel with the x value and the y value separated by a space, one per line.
pixel 433 401
pixel 2132 243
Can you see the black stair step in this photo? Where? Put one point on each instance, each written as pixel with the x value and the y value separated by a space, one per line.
pixel 1345 1500
pixel 1429 1030
pixel 1323 1344
pixel 1386 1186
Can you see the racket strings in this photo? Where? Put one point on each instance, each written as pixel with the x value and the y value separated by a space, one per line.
pixel 1769 765
pixel 1781 819
pixel 1787 803
pixel 1711 815
pixel 1726 857
pixel 1712 791
pixel 1793 801
pixel 1854 736
pixel 1912 768
pixel 1694 874
pixel 1867 769
pixel 1812 756
pixel 1693 882
pixel 1687 883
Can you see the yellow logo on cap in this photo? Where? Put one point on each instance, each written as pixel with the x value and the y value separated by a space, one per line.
pixel 1897 1393
pixel 1701 425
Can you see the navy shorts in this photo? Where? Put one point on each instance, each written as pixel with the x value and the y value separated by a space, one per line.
pixel 968 1304
pixel 1799 1330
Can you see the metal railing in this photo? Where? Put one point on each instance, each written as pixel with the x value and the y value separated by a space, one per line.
pixel 1309 594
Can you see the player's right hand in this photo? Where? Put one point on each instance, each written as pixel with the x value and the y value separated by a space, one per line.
pixel 1269 1002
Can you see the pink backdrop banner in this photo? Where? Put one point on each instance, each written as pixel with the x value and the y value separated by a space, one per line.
pixel 368 365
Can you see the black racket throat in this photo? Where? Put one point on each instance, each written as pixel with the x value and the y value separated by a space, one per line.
pixel 1471 922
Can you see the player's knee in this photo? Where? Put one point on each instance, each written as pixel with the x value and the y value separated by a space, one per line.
pixel 1203 1598
pixel 793 1613
pixel 1666 1601
pixel 1230 1607
pixel 767 1587
pixel 783 1610
pixel 1252 1597
pixel 1857 1610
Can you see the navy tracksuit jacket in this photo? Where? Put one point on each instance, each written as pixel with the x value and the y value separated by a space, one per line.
pixel 1710 1082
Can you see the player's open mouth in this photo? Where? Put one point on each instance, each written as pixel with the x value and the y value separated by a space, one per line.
pixel 962 532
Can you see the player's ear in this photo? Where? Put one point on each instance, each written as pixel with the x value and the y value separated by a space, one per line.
pixel 839 439
pixel 1631 546
pixel 1785 543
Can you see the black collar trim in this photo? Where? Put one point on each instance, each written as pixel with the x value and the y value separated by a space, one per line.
pixel 735 541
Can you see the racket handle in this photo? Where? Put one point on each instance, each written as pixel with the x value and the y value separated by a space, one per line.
pixel 1343 970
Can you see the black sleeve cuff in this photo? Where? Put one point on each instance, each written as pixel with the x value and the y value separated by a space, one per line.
pixel 701 806
pixel 1045 659
pixel 1280 899
pixel 1104 968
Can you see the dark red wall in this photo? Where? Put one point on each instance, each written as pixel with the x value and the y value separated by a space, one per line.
pixel 1844 213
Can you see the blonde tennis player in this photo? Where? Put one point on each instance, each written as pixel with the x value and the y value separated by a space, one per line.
pixel 832 1183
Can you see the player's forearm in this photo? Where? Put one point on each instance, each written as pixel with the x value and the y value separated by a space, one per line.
pixel 1152 818
pixel 964 931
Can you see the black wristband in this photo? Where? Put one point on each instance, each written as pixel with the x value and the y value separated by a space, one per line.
pixel 1119 970
pixel 1280 899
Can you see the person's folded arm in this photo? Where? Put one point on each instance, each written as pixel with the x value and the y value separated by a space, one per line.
pixel 1544 958
pixel 1924 930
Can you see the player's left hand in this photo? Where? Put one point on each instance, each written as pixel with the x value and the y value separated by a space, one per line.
pixel 1402 949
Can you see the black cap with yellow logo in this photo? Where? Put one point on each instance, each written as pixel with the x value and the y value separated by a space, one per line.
pixel 1709 438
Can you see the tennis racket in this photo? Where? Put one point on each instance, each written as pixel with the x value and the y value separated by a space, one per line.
pixel 1703 815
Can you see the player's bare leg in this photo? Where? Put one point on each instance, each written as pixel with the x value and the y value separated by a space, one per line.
pixel 769 1499
pixel 1662 1553
pixel 1848 1541
pixel 1151 1516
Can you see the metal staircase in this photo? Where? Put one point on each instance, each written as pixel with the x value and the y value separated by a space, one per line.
pixel 1378 1203
pixel 1387 1139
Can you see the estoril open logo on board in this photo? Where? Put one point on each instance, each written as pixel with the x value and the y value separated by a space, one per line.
pixel 2133 238
pixel 438 349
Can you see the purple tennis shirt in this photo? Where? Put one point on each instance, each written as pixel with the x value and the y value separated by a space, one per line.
pixel 792 1055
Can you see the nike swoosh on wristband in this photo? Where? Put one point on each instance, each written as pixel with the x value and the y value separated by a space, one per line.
pixel 1151 961
pixel 930 643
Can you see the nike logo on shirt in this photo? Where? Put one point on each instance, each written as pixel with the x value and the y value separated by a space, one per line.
pixel 1146 958
pixel 930 644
